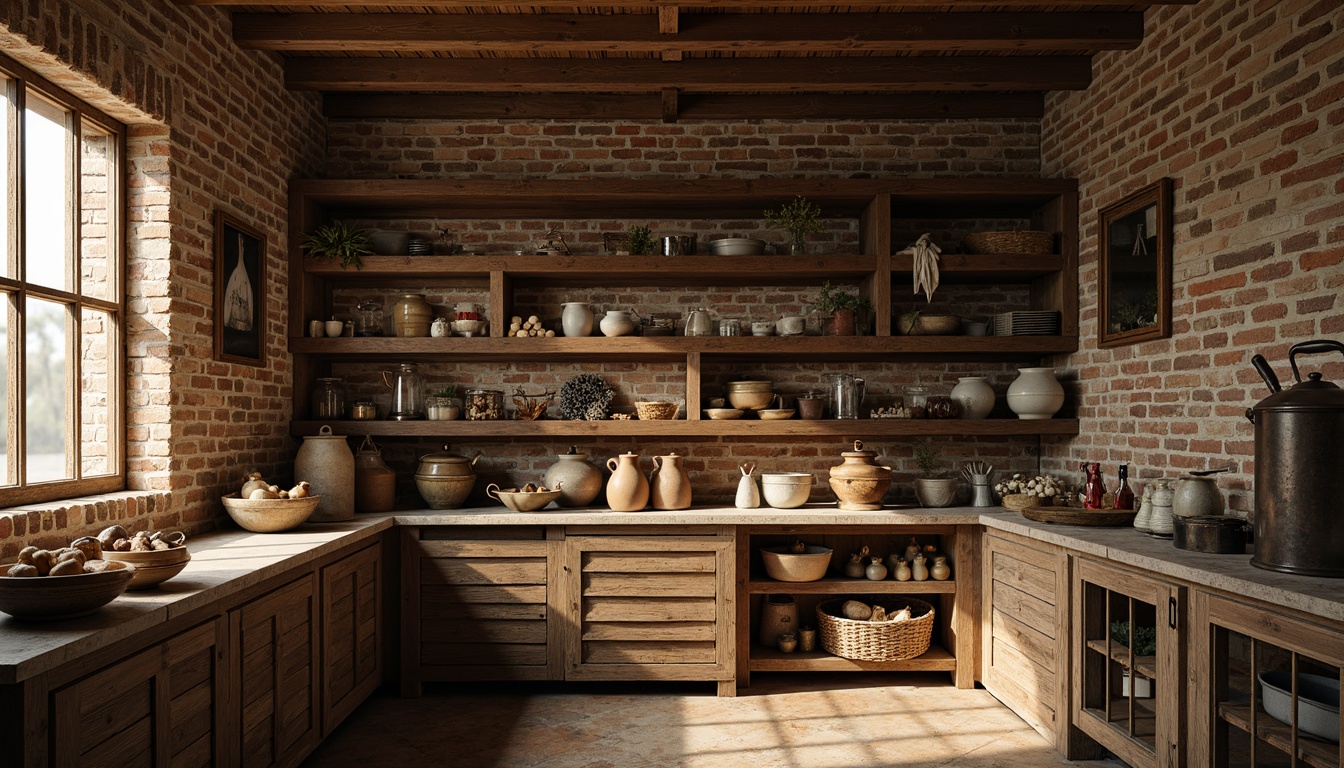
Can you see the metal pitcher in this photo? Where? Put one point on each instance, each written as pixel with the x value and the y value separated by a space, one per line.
pixel 699 323
pixel 408 393
pixel 847 391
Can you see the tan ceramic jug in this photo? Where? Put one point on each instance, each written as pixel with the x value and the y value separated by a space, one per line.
pixel 860 482
pixel 375 482
pixel 670 486
pixel 627 490
pixel 325 461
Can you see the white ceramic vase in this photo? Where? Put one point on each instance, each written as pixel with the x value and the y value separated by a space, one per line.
pixel 576 319
pixel 1035 393
pixel 616 323
pixel 975 395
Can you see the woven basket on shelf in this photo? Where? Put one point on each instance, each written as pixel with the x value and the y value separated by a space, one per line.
pixel 1028 242
pixel 656 411
pixel 876 640
pixel 1018 501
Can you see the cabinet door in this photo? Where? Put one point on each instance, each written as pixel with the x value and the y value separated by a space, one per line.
pixel 649 608
pixel 275 652
pixel 158 707
pixel 351 621
pixel 474 609
pixel 1128 676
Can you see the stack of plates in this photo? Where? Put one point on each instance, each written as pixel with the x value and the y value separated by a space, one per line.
pixel 418 247
pixel 1042 323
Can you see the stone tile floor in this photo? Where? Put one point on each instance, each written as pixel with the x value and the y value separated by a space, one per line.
pixel 782 721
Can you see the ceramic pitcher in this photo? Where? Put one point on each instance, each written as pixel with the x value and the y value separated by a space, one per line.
pixel 627 490
pixel 669 485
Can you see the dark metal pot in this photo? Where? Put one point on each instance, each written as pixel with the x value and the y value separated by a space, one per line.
pixel 1216 534
pixel 1299 470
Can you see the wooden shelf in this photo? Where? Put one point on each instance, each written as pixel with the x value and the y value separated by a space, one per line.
pixel 980 268
pixel 1320 754
pixel 763 659
pixel 1145 719
pixel 1144 665
pixel 846 429
pixel 842 586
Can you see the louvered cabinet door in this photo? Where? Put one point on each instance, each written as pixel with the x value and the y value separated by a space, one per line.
pixel 649 608
pixel 159 707
pixel 351 652
pixel 275 653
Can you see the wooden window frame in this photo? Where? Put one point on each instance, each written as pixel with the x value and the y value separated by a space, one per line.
pixel 15 487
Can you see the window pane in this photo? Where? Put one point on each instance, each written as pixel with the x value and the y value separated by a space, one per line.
pixel 97 226
pixel 6 464
pixel 46 390
pixel 46 185
pixel 5 198
pixel 95 393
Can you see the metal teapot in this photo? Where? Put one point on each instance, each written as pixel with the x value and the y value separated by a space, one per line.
pixel 699 323
pixel 1299 455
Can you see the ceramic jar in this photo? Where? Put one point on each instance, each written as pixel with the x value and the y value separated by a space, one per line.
pixel 1197 496
pixel 860 482
pixel 875 570
pixel 617 323
pixel 940 571
pixel 669 485
pixel 1160 523
pixel 1035 393
pixel 628 489
pixel 975 395
pixel 919 571
pixel 748 495
pixel 902 572
pixel 576 319
pixel 445 479
pixel 779 616
pixel 411 315
pixel 1145 516
pixel 582 482
pixel 375 482
pixel 440 329
pixel 325 461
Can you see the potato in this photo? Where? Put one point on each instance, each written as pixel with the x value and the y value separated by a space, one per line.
pixel 69 553
pixel 109 536
pixel 91 547
pixel 22 570
pixel 300 491
pixel 43 560
pixel 26 555
pixel 97 566
pixel 251 483
pixel 71 567
pixel 122 545
pixel 853 609
pixel 263 493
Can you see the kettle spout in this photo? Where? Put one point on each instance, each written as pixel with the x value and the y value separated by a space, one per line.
pixel 474 458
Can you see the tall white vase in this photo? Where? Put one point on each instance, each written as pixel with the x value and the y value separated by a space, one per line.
pixel 975 395
pixel 576 319
pixel 1035 393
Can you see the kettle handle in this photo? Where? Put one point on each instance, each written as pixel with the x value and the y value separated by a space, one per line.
pixel 611 464
pixel 1314 347
pixel 386 383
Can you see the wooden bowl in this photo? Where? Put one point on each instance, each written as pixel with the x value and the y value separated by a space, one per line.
pixel 771 414
pixel 927 324
pixel 721 414
pixel 152 568
pixel 45 598
pixel 269 515
pixel 783 565
pixel 522 501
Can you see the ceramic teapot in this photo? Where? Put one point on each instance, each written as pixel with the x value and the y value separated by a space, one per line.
pixel 699 323
pixel 860 482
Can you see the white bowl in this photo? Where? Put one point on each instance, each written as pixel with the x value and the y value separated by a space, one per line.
pixel 737 246
pixel 722 414
pixel 786 490
pixel 468 327
pixel 1317 702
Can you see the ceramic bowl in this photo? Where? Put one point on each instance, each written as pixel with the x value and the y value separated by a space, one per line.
pixel 720 414
pixel 762 329
pixel 42 598
pixel 786 490
pixel 774 414
pixel 783 565
pixel 1317 702
pixel 750 385
pixel 522 501
pixel 388 243
pixel 927 324
pixel 793 325
pixel 269 515
pixel 750 401
pixel 151 568
pixel 468 327
pixel 737 246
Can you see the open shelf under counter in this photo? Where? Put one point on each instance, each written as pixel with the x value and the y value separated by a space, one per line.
pixel 764 659
pixel 1313 752
pixel 847 429
pixel 839 586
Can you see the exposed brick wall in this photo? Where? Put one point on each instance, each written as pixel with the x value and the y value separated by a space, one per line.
pixel 209 126
pixel 1242 104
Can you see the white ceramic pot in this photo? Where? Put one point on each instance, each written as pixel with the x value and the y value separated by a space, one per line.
pixel 786 490
pixel 576 319
pixel 975 395
pixel 580 483
pixel 1035 393
pixel 616 323
pixel 328 464
pixel 936 492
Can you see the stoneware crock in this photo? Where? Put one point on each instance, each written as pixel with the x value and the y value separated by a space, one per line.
pixel 445 479
pixel 860 482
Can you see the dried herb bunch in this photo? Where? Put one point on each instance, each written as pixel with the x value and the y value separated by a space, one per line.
pixel 586 397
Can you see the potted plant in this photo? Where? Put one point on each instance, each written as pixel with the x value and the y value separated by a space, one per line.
pixel 801 218
pixel 842 308
pixel 337 240
pixel 639 241
pixel 931 489
pixel 443 405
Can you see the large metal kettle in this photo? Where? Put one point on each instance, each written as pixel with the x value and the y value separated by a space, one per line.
pixel 1299 470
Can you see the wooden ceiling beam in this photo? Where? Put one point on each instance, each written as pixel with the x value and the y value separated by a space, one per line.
pixel 685 32
pixel 605 106
pixel 724 75
pixel 643 6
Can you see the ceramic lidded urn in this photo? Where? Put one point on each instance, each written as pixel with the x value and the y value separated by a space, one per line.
pixel 582 482
pixel 669 485
pixel 860 482
pixel 445 479
pixel 628 489
pixel 325 461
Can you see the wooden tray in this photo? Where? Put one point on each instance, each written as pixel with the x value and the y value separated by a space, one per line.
pixel 1079 516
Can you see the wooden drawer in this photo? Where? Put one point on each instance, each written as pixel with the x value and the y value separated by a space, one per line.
pixel 351 647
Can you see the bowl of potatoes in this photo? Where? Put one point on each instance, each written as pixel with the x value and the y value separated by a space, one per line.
pixel 157 556
pixel 62 583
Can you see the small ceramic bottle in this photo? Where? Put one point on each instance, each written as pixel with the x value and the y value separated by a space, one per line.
pixel 1160 525
pixel 854 569
pixel 918 570
pixel 1145 517
pixel 875 571
pixel 902 571
pixel 912 549
pixel 669 485
pixel 940 570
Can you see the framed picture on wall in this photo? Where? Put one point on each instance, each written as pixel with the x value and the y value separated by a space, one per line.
pixel 240 296
pixel 1134 270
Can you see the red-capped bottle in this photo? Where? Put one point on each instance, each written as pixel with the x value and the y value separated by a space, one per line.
pixel 1124 495
pixel 1093 487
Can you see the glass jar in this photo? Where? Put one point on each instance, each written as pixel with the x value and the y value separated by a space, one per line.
pixel 369 318
pixel 485 404
pixel 730 327
pixel 329 399
pixel 364 410
pixel 917 402
pixel 943 407
pixel 440 408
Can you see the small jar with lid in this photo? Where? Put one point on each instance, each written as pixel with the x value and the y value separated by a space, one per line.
pixel 485 404
pixel 363 410
pixel 329 399
pixel 917 402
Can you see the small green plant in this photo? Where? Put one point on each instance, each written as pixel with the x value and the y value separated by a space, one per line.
pixel 800 217
pixel 831 300
pixel 446 392
pixel 927 458
pixel 1145 638
pixel 639 240
pixel 337 241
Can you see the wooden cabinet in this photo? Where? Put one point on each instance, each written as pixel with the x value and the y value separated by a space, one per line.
pixel 157 707
pixel 352 650
pixel 1127 663
pixel 274 671
pixel 1232 642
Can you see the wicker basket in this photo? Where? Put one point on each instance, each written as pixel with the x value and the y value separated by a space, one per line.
pixel 876 640
pixel 1029 242
pixel 657 411
pixel 1018 501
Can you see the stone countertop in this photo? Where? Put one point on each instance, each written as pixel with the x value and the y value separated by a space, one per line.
pixel 222 564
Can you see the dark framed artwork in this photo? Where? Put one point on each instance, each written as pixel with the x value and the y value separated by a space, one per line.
pixel 1134 273
pixel 240 296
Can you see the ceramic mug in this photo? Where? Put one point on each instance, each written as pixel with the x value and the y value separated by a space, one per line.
pixel 334 328
pixel 762 329
pixel 790 326
pixel 316 329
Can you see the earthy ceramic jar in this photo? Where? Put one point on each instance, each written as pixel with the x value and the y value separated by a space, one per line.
pixel 411 315
pixel 617 323
pixel 975 395
pixel 1035 393
pixel 579 482
pixel 628 489
pixel 325 461
pixel 669 485
pixel 779 615
pixel 375 482
pixel 1197 496
pixel 576 319
pixel 860 482
pixel 445 479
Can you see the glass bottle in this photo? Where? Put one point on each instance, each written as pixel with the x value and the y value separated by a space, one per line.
pixel 329 399
pixel 1093 487
pixel 1124 495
